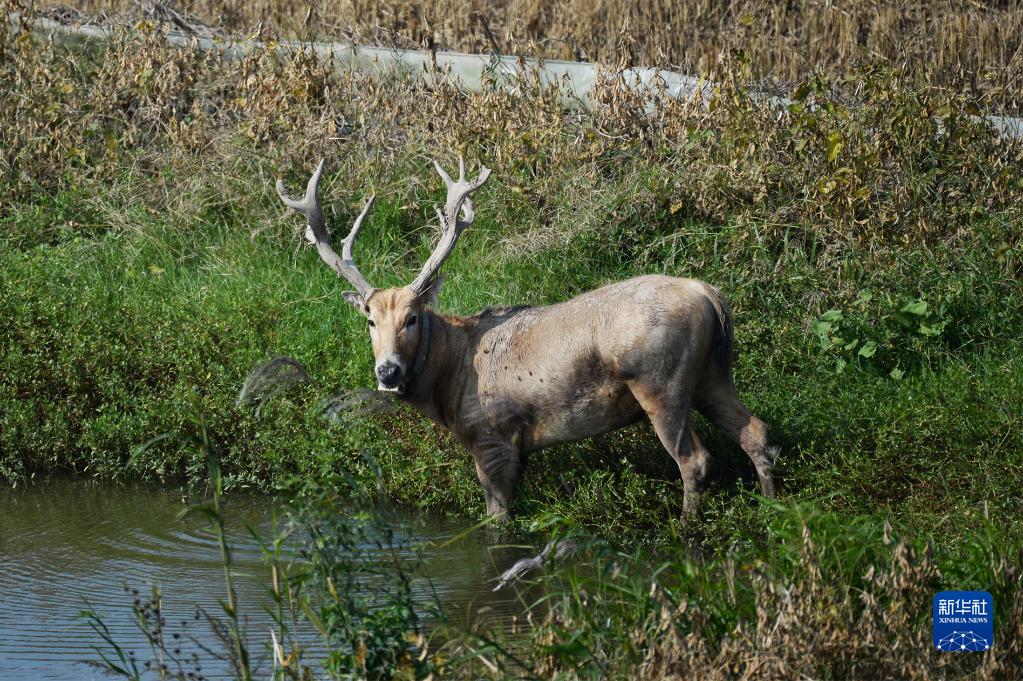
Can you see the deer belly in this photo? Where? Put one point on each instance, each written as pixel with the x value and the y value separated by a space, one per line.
pixel 582 414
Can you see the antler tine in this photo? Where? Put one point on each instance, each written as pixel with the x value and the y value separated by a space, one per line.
pixel 316 233
pixel 309 202
pixel 443 174
pixel 458 201
pixel 346 245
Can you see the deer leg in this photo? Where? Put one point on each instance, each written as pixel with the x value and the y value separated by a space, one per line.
pixel 671 421
pixel 694 473
pixel 722 407
pixel 499 468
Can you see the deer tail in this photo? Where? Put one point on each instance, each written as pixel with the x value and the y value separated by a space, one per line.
pixel 722 346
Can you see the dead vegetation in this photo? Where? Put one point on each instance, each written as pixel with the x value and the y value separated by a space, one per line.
pixel 863 159
pixel 812 619
pixel 976 47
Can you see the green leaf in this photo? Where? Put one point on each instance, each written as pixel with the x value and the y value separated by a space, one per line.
pixel 866 295
pixel 823 332
pixel 903 320
pixel 142 448
pixel 868 350
pixel 831 316
pixel 572 650
pixel 917 308
pixel 801 92
pixel 313 618
pixel 897 373
pixel 822 329
pixel 835 145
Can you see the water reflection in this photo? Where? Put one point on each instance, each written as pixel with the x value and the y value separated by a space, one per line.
pixel 62 542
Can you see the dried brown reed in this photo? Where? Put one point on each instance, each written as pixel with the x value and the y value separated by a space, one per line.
pixel 806 622
pixel 974 46
pixel 864 160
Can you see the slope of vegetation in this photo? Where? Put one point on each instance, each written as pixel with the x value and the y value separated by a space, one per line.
pixel 970 46
pixel 868 237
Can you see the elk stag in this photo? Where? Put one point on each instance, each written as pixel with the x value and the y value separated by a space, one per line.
pixel 511 380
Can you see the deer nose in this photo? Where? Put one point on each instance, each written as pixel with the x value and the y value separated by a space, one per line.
pixel 389 374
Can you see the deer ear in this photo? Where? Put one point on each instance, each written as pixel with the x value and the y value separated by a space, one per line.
pixel 356 301
pixel 432 294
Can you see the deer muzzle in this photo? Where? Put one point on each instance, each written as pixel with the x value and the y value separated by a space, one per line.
pixel 391 376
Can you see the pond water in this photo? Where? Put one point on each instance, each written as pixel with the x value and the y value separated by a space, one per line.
pixel 65 542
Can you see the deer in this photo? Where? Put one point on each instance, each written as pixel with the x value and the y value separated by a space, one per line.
pixel 510 381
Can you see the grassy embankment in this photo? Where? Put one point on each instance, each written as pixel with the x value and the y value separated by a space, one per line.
pixel 873 267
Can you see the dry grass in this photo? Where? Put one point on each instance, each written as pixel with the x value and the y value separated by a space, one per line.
pixel 864 160
pixel 974 46
pixel 808 620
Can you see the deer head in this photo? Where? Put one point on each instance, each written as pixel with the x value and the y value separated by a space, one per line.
pixel 398 324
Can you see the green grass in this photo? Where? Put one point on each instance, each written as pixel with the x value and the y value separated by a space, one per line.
pixel 113 338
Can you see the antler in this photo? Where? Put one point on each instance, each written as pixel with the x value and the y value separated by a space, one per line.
pixel 451 227
pixel 316 233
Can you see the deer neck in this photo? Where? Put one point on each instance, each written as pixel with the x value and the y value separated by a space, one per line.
pixel 424 345
pixel 437 383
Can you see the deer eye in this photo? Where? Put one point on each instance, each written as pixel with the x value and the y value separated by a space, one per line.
pixel 412 321
pixel 371 322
